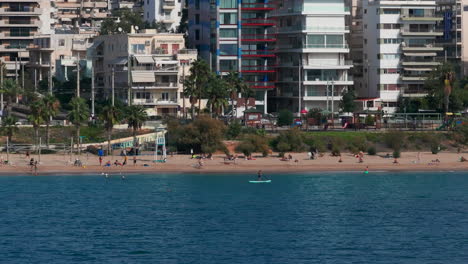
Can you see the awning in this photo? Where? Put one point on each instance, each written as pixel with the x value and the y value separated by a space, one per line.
pixel 144 59
pixel 120 61
pixel 167 62
pixel 420 54
pixel 65 19
pixel 143 77
pixel 418 69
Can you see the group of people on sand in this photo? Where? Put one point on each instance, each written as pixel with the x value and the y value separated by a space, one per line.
pixel 117 163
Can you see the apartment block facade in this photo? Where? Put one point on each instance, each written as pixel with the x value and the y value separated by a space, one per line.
pixel 144 68
pixel 81 13
pixel 20 21
pixel 400 49
pixel 169 12
pixel 313 54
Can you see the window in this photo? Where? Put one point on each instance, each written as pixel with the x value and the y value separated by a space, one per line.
pixel 390 71
pixel 228 33
pixel 228 4
pixel 335 40
pixel 197 34
pixel 388 56
pixel 138 48
pixel 315 41
pixel 389 41
pixel 228 18
pixel 165 47
pixel 197 19
pixel 228 49
pixel 197 4
pixel 165 96
pixel 61 42
pixel 228 65
pixel 175 48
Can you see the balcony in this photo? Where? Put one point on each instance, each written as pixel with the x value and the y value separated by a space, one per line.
pixel 420 63
pixel 258 6
pixel 414 93
pixel 95 4
pixel 168 6
pixel 318 48
pixel 414 18
pixel 168 19
pixel 258 22
pixel 299 10
pixel 5 23
pixel 173 102
pixel 14 48
pixel 303 29
pixel 9 35
pixel 155 68
pixel 259 38
pixel 26 11
pixel 431 33
pixel 427 47
pixel 413 78
pixel 155 86
pixel 258 53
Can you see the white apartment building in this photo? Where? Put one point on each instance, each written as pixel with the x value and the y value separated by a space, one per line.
pixel 20 21
pixel 399 49
pixel 81 13
pixel 312 50
pixel 168 12
pixel 146 68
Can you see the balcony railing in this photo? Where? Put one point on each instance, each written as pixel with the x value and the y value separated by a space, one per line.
pixel 313 29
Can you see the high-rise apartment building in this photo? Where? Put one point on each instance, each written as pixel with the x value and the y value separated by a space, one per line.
pixel 168 12
pixel 146 68
pixel 20 21
pixel 312 54
pixel 236 36
pixel 399 49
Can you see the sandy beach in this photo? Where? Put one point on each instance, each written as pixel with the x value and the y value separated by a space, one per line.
pixel 63 164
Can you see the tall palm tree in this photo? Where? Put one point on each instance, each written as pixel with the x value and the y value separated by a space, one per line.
pixel 190 90
pixel 36 118
pixel 136 116
pixel 9 126
pixel 51 107
pixel 217 93
pixel 10 89
pixel 111 115
pixel 199 75
pixel 78 115
pixel 236 86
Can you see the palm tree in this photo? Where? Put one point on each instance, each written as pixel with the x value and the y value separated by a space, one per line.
pixel 9 126
pixel 136 116
pixel 236 86
pixel 199 75
pixel 10 89
pixel 78 115
pixel 36 119
pixel 190 90
pixel 111 115
pixel 51 107
pixel 217 94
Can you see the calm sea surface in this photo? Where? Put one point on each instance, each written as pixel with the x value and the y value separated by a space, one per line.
pixel 315 218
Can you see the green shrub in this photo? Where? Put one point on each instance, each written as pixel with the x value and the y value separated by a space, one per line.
pixel 336 151
pixel 395 139
pixel 371 150
pixel 291 138
pixel 285 118
pixel 255 143
pixel 396 153
pixel 435 148
pixel 370 120
pixel 245 148
pixel 234 129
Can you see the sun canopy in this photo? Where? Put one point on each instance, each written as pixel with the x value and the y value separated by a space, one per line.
pixel 144 59
pixel 120 61
pixel 420 54
pixel 143 77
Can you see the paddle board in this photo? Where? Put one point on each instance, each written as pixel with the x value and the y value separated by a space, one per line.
pixel 266 181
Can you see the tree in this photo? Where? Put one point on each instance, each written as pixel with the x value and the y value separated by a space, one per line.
pixel 127 19
pixel 235 86
pixel 9 126
pixel 36 118
pixel 347 101
pixel 292 138
pixel 442 86
pixel 195 84
pixel 51 108
pixel 78 114
pixel 285 118
pixel 217 94
pixel 253 143
pixel 136 116
pixel 10 89
pixel 111 115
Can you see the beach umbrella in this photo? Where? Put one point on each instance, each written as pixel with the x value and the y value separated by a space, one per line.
pixel 303 111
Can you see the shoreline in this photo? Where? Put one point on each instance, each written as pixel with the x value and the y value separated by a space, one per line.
pixel 182 164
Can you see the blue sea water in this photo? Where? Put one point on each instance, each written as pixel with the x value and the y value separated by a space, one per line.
pixel 298 218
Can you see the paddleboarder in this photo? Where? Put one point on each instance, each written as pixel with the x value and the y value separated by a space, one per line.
pixel 259 175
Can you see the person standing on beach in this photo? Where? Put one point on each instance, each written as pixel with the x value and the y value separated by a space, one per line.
pixel 125 160
pixel 100 161
pixel 134 161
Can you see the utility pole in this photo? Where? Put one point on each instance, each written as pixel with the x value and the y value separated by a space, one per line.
pixel 22 77
pixel 113 86
pixel 16 77
pixel 92 90
pixel 333 103
pixel 50 75
pixel 1 94
pixel 78 76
